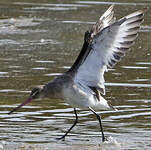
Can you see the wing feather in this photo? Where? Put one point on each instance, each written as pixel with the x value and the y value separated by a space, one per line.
pixel 107 45
pixel 105 20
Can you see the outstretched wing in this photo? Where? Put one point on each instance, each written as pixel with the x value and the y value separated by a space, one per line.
pixel 105 20
pixel 105 47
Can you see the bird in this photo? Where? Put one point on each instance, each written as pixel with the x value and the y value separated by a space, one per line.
pixel 83 85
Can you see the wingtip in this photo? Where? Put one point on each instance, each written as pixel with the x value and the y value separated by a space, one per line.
pixel 107 12
pixel 110 9
pixel 145 9
pixel 139 13
pixel 111 6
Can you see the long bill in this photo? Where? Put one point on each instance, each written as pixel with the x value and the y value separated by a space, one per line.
pixel 22 104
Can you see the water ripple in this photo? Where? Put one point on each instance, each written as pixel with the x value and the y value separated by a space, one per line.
pixel 41 34
pixel 134 67
pixel 110 3
pixel 128 84
pixel 131 115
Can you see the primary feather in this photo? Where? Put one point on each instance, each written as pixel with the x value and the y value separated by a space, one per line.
pixel 105 20
pixel 104 46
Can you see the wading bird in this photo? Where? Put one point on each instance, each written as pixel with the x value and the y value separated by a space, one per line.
pixel 82 86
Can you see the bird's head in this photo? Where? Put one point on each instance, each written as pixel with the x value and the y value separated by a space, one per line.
pixel 35 94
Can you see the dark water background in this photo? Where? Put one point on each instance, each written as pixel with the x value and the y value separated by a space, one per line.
pixel 40 39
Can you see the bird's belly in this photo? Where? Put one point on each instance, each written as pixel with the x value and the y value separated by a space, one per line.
pixel 83 98
pixel 78 98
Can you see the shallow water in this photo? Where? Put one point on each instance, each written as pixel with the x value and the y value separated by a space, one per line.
pixel 40 40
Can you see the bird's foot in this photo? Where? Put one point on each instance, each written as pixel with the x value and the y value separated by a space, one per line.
pixel 61 138
pixel 104 139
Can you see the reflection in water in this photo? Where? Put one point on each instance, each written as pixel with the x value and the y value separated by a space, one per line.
pixel 41 40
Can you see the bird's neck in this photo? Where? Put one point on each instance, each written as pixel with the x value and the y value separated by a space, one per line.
pixel 54 89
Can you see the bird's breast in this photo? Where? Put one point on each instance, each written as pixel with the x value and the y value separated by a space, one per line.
pixel 76 96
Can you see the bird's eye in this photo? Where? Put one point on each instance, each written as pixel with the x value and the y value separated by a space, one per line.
pixel 34 92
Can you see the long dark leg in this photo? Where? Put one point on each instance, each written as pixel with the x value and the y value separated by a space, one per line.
pixel 99 118
pixel 75 122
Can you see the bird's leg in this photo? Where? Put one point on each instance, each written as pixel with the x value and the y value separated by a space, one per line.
pixel 99 118
pixel 75 122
